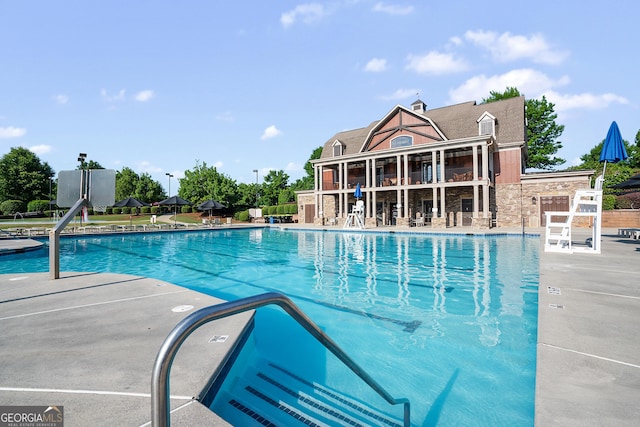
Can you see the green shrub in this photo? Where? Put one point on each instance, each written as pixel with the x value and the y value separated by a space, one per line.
pixel 145 209
pixel 186 209
pixel 109 210
pixel 90 211
pixel 608 202
pixel 37 206
pixel 155 209
pixel 243 216
pixel 116 211
pixel 280 209
pixel 272 210
pixel 48 213
pixel 10 207
pixel 291 209
pixel 126 210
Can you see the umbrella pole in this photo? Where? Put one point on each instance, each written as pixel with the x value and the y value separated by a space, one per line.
pixel 604 169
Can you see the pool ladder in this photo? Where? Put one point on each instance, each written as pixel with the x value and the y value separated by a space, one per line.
pixel 160 408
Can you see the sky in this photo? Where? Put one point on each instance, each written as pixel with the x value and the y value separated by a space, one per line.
pixel 160 86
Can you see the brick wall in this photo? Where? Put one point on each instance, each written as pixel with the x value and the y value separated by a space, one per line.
pixel 621 218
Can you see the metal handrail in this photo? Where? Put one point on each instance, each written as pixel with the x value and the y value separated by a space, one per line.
pixel 160 408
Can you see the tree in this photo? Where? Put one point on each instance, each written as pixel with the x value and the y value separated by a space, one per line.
pixel 616 172
pixel 542 129
pixel 307 181
pixel 126 183
pixel 205 183
pixel 91 164
pixel 142 187
pixel 274 183
pixel 23 176
pixel 148 190
pixel 248 195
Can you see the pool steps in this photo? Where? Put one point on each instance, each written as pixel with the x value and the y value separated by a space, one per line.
pixel 270 395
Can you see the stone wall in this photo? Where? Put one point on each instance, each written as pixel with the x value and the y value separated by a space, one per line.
pixel 515 202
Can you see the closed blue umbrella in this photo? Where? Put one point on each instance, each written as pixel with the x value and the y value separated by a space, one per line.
pixel 358 193
pixel 613 149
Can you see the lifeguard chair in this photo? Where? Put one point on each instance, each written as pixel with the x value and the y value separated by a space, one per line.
pixel 355 219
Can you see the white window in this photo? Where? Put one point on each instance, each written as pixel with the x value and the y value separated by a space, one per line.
pixel 402 141
pixel 487 125
pixel 337 149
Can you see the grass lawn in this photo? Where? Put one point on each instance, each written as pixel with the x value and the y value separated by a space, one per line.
pixel 190 218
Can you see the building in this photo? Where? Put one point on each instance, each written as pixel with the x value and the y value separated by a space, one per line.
pixel 456 166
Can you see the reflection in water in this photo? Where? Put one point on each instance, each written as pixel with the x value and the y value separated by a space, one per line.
pixel 354 269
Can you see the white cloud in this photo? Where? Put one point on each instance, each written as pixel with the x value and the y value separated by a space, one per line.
pixel 61 99
pixel 376 65
pixel 12 132
pixel 308 13
pixel 218 165
pixel 529 82
pixel 120 96
pixel 401 94
pixel 148 167
pixel 392 9
pixel 435 63
pixel 270 132
pixel 40 149
pixel 507 47
pixel 144 96
pixel 293 167
pixel 225 117
pixel 590 101
pixel 455 41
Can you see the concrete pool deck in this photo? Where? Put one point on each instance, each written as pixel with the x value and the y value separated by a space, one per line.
pixel 88 341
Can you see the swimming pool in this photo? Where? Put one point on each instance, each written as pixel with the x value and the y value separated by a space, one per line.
pixel 448 321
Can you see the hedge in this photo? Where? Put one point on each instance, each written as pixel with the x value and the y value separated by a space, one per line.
pixel 37 206
pixel 243 216
pixel 10 207
pixel 186 209
pixel 608 202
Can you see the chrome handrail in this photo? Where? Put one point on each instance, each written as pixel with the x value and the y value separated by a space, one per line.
pixel 160 408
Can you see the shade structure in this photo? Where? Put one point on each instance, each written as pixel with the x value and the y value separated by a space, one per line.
pixel 358 193
pixel 613 150
pixel 130 202
pixel 211 205
pixel 633 182
pixel 174 200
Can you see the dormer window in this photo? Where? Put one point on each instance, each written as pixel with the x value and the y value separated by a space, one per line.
pixel 402 141
pixel 338 149
pixel 487 125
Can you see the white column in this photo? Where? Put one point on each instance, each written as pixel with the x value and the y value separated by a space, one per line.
pixel 476 201
pixel 475 162
pixel 485 185
pixel 434 167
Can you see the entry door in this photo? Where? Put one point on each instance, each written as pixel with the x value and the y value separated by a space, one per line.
pixel 309 213
pixel 553 203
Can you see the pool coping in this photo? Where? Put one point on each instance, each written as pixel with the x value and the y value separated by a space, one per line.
pixel 588 342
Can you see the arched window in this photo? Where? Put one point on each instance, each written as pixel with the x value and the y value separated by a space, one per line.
pixel 402 141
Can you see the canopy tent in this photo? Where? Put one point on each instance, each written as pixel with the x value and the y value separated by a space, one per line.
pixel 130 202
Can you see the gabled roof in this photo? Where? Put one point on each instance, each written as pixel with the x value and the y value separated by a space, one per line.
pixel 452 122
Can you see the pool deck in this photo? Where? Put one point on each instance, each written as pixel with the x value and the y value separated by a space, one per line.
pixel 87 341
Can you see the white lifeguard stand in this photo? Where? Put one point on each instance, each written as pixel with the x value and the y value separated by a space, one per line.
pixel 355 219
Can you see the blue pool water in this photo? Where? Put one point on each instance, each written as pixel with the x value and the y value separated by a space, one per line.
pixel 448 321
